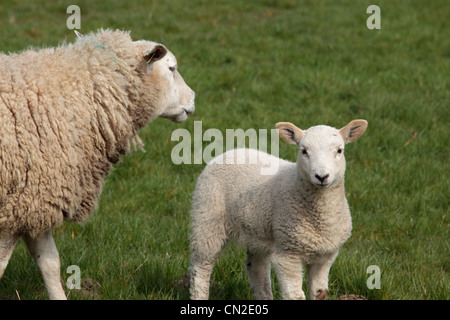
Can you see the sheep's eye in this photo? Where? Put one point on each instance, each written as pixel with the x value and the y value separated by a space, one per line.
pixel 340 151
pixel 172 69
pixel 304 152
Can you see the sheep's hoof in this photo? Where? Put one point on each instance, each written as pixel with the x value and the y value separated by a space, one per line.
pixel 321 294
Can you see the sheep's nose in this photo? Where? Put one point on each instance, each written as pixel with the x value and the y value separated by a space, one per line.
pixel 189 111
pixel 322 178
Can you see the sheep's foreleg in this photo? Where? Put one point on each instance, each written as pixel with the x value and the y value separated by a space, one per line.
pixel 289 271
pixel 7 244
pixel 45 254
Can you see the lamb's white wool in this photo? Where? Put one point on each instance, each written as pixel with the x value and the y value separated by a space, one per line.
pixel 66 115
pixel 295 218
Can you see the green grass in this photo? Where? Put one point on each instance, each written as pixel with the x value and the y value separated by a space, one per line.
pixel 253 64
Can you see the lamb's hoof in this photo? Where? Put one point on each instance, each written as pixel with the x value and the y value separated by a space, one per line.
pixel 321 294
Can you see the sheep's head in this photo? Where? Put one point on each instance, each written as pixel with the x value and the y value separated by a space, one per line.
pixel 321 156
pixel 164 87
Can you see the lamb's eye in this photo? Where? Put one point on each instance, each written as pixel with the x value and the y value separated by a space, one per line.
pixel 172 69
pixel 304 152
pixel 340 151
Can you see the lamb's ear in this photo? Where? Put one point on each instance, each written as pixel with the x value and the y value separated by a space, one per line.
pixel 158 52
pixel 353 130
pixel 289 132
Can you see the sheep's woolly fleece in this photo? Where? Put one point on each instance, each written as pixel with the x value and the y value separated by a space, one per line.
pixel 66 115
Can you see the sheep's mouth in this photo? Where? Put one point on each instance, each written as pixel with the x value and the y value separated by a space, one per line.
pixel 182 117
pixel 179 117
pixel 188 111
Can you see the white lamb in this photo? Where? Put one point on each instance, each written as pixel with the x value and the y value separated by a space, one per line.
pixel 298 216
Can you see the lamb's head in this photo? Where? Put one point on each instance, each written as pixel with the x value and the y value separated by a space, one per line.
pixel 164 87
pixel 321 158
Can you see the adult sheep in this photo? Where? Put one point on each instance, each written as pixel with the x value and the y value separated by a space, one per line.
pixel 67 114
pixel 297 216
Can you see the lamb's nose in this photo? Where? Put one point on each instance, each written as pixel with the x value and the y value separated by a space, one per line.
pixel 322 178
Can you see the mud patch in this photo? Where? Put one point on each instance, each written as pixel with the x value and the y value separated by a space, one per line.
pixel 89 288
pixel 351 297
pixel 184 282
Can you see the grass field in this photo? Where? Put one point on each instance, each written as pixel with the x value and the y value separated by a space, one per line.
pixel 252 64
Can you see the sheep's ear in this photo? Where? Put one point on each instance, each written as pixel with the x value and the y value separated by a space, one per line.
pixel 289 132
pixel 79 35
pixel 158 52
pixel 353 130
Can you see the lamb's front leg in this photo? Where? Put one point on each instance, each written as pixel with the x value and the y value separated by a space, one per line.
pixel 258 270
pixel 318 276
pixel 45 254
pixel 289 270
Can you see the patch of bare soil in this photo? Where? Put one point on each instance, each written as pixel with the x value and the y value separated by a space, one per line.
pixel 184 281
pixel 90 288
pixel 351 297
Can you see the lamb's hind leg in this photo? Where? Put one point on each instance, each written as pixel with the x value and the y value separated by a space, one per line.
pixel 200 277
pixel 7 244
pixel 45 254
pixel 206 245
pixel 258 270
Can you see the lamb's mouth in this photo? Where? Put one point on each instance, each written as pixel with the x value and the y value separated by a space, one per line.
pixel 322 185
